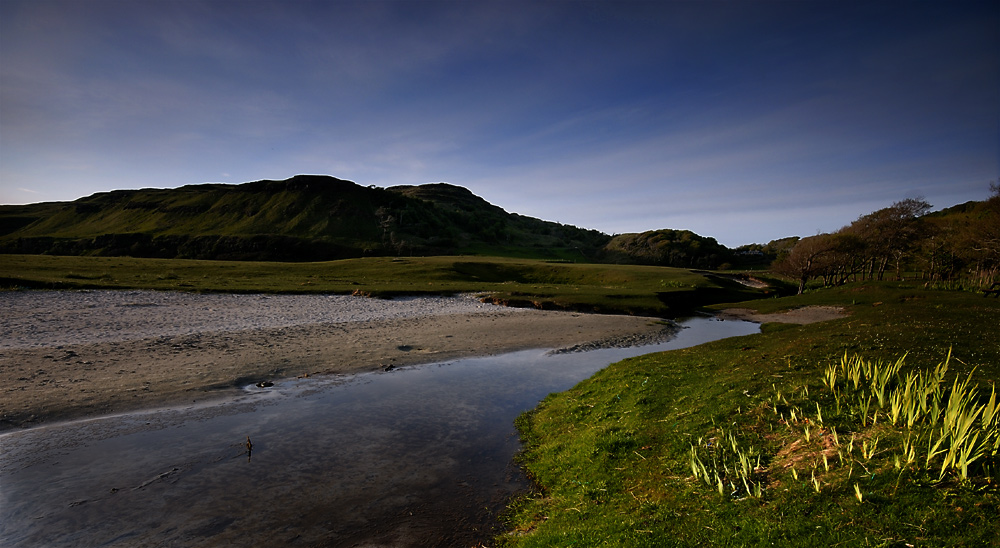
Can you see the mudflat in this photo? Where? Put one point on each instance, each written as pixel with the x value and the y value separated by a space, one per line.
pixel 71 354
pixel 802 316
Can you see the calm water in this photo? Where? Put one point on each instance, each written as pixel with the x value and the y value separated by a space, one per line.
pixel 413 457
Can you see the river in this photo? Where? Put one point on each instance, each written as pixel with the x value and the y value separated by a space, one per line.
pixel 417 456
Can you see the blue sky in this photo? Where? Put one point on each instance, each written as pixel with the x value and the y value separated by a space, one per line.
pixel 744 121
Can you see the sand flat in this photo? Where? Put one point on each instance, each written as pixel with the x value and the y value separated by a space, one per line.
pixel 802 316
pixel 71 354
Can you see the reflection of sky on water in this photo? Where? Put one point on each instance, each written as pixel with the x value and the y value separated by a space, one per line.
pixel 418 451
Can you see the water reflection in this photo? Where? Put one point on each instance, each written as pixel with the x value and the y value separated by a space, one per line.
pixel 414 457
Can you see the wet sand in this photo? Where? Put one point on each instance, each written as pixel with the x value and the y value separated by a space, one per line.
pixel 801 316
pixel 67 355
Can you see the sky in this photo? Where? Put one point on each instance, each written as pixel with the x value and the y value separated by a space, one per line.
pixel 746 121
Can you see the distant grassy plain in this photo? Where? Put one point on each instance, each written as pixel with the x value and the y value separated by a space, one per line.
pixel 660 291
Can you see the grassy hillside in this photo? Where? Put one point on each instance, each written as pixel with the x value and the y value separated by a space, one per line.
pixel 520 282
pixel 679 248
pixel 315 218
pixel 614 456
pixel 303 218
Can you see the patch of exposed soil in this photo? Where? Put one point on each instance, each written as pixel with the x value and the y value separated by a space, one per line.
pixel 804 315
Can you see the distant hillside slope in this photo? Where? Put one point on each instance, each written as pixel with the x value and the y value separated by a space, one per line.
pixel 667 247
pixel 307 217
pixel 318 217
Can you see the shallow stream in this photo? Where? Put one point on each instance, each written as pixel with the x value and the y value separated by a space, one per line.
pixel 417 456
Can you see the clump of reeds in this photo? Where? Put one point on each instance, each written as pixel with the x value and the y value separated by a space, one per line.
pixel 731 465
pixel 951 424
pixel 912 420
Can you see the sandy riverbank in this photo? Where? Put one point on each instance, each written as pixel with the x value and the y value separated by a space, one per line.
pixel 73 354
pixel 804 315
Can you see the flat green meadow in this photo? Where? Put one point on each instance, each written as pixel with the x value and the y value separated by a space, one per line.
pixel 627 289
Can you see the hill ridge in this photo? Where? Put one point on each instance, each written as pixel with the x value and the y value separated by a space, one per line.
pixel 304 217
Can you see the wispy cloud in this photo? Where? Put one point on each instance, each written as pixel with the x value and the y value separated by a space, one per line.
pixel 615 117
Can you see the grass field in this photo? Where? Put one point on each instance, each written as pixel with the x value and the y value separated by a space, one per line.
pixel 654 451
pixel 521 282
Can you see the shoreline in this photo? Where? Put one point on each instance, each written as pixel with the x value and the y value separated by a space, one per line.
pixel 64 378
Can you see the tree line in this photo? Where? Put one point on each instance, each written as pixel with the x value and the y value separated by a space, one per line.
pixel 960 244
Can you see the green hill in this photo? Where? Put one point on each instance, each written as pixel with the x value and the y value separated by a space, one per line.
pixel 304 218
pixel 677 248
pixel 317 218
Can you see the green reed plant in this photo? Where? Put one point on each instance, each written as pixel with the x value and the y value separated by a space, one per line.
pixel 732 463
pixel 868 451
pixel 909 448
pixel 944 424
pixel 957 431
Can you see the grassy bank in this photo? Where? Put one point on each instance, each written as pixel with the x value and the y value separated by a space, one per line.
pixel 520 282
pixel 741 443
